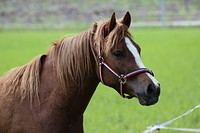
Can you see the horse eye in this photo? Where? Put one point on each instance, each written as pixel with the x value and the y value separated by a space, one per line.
pixel 119 54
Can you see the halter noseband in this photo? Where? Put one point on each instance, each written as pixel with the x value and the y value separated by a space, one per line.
pixel 122 77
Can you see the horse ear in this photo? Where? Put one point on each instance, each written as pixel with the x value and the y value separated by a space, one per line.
pixel 126 20
pixel 111 23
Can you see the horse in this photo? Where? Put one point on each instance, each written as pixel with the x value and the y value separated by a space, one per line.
pixel 51 92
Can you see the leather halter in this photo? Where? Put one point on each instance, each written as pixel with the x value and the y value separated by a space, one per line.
pixel 122 77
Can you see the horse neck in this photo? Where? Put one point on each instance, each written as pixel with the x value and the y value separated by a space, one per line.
pixel 72 99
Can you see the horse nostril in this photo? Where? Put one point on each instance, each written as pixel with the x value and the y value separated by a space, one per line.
pixel 153 90
pixel 150 89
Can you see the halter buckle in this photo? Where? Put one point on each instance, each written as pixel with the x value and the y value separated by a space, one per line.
pixel 122 80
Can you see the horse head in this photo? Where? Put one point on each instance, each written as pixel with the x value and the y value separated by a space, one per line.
pixel 119 62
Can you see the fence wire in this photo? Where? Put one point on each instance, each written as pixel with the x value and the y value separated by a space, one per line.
pixel 158 126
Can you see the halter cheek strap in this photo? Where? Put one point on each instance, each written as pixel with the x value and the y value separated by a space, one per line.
pixel 122 77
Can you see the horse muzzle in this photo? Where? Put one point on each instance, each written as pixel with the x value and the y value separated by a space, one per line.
pixel 150 96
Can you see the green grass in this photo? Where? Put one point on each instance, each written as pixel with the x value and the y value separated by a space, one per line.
pixel 173 55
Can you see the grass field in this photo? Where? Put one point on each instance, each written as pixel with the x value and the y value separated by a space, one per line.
pixel 173 55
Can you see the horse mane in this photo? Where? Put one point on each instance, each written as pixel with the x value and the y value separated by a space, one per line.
pixel 25 77
pixel 73 58
pixel 72 61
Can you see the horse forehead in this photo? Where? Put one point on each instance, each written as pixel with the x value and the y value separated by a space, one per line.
pixel 131 46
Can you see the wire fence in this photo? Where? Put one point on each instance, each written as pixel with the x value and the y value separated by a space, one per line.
pixel 159 126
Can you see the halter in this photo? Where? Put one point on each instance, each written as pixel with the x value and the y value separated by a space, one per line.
pixel 122 77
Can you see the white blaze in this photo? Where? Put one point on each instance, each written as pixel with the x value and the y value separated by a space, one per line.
pixel 138 60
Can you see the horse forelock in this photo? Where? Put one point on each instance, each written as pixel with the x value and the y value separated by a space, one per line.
pixel 115 36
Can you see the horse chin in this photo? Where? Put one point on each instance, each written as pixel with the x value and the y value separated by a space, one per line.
pixel 142 98
pixel 145 101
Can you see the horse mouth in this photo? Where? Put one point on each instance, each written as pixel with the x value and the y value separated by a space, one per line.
pixel 147 101
pixel 144 100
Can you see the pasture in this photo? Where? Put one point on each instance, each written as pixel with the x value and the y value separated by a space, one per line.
pixel 172 53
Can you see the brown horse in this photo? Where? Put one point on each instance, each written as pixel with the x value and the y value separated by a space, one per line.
pixel 51 93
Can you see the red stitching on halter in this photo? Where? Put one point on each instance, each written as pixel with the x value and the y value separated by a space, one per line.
pixel 122 77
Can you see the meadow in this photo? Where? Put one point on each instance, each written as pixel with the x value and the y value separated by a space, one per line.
pixel 172 53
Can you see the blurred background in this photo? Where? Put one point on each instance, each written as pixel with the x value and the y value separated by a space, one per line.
pixel 59 14
pixel 168 32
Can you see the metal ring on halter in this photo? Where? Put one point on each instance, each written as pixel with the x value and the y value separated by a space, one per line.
pixel 122 79
pixel 101 59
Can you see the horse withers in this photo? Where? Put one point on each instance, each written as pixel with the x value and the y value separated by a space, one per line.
pixel 51 93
